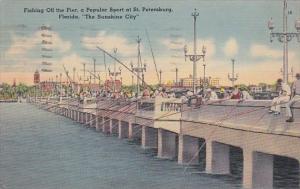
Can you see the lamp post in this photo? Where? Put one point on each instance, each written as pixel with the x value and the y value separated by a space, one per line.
pixel 195 57
pixel 204 70
pixel 233 76
pixel 139 69
pixel 284 37
pixel 60 93
pixel 114 74
pixel 160 72
pixel 176 78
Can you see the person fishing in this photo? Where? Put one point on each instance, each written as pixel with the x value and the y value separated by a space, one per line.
pixel 294 98
pixel 284 92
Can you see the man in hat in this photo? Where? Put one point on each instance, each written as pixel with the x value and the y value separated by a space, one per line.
pixel 284 91
pixel 295 98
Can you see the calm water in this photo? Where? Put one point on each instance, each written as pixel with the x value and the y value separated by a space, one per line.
pixel 41 150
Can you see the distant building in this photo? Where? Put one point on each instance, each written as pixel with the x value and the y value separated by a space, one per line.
pixel 109 85
pixel 188 82
pixel 36 77
pixel 47 86
pixel 86 87
pixel 14 83
pixel 215 82
pixel 260 88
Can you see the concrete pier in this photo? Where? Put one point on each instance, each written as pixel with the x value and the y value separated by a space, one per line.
pixel 82 117
pixel 98 123
pixel 188 150
pixel 87 118
pixel 258 170
pixel 106 125
pixel 167 144
pixel 179 135
pixel 134 131
pixel 217 158
pixel 78 116
pixel 149 137
pixel 114 127
pixel 92 120
pixel 123 129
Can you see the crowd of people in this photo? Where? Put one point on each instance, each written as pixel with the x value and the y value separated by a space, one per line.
pixel 287 95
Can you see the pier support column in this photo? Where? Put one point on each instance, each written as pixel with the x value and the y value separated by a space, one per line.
pixel 149 137
pixel 217 158
pixel 123 129
pixel 134 131
pixel 106 125
pixel 74 115
pixel 87 118
pixel 258 170
pixel 82 117
pixel 188 150
pixel 114 126
pixel 167 147
pixel 92 120
pixel 98 122
pixel 78 116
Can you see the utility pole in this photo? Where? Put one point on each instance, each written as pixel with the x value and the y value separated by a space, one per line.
pixel 284 37
pixel 114 74
pixel 204 74
pixel 160 72
pixel 195 57
pixel 94 70
pixel 139 69
pixel 114 83
pixel 83 73
pixel 233 76
pixel 176 78
pixel 60 93
pixel 74 71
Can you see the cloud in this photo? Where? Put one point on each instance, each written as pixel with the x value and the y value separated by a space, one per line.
pixel 110 41
pixel 21 46
pixel 231 47
pixel 259 50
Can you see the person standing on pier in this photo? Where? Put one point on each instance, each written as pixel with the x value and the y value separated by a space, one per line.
pixel 284 91
pixel 295 98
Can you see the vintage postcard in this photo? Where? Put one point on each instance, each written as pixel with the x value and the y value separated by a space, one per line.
pixel 149 94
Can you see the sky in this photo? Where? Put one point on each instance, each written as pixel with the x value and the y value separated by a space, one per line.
pixel 229 29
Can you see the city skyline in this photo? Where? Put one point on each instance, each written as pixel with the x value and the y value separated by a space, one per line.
pixel 228 29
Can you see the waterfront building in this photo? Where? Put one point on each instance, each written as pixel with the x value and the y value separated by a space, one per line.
pixel 36 77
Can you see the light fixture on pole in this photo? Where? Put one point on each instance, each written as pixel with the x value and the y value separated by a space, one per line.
pixel 195 57
pixel 233 77
pixel 284 37
pixel 139 69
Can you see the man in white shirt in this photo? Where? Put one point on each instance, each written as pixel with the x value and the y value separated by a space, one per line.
pixel 295 98
pixel 246 95
pixel 284 97
pixel 211 95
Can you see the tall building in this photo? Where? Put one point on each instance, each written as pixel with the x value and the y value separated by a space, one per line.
pixel 215 82
pixel 36 77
